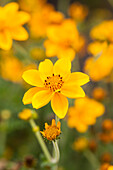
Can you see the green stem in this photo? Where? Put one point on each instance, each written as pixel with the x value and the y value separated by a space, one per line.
pixel 92 159
pixel 41 142
pixel 56 119
pixel 57 153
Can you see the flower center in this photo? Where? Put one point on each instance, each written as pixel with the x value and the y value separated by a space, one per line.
pixel 52 132
pixel 54 83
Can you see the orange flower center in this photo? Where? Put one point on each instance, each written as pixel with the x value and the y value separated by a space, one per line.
pixel 52 132
pixel 54 83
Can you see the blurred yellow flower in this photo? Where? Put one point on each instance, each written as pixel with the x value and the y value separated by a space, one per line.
pixel 52 131
pixel 110 168
pixel 103 31
pixel 97 48
pixel 84 113
pixel 54 83
pixel 107 125
pixel 11 21
pixel 63 40
pixel 98 67
pixel 42 18
pixel 11 68
pixel 80 144
pixel 78 11
pixel 37 53
pixel 30 6
pixel 99 93
pixel 26 114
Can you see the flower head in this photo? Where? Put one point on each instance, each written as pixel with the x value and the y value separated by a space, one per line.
pixel 54 83
pixel 103 31
pixel 11 21
pixel 63 40
pixel 99 93
pixel 110 167
pixel 78 11
pixel 101 65
pixel 84 113
pixel 26 114
pixel 80 144
pixel 52 131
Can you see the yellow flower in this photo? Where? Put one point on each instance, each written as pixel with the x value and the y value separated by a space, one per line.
pixel 37 53
pixel 54 83
pixel 26 114
pixel 42 18
pixel 11 21
pixel 84 113
pixel 52 131
pixel 97 47
pixel 80 144
pixel 63 40
pixel 103 31
pixel 99 93
pixel 98 67
pixel 110 168
pixel 107 125
pixel 78 11
pixel 11 68
pixel 30 6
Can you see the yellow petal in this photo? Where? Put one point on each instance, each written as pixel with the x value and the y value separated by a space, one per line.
pixel 13 6
pixel 62 67
pixel 32 77
pixel 41 98
pixel 46 69
pixel 19 33
pixel 27 99
pixel 23 17
pixel 78 78
pixel 51 48
pixel 82 128
pixel 66 52
pixel 59 104
pixel 5 40
pixel 72 91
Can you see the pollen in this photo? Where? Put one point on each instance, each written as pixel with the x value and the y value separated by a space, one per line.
pixel 52 131
pixel 54 83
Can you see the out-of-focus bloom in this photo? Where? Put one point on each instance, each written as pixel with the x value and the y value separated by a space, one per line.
pixel 104 166
pixel 92 144
pixel 52 131
pixel 54 83
pixel 30 6
pixel 99 93
pixel 97 48
pixel 30 161
pixel 106 157
pixel 104 137
pixel 42 18
pixel 11 21
pixel 103 31
pixel 37 53
pixel 80 144
pixel 84 113
pixel 11 68
pixel 78 11
pixel 110 168
pixel 5 114
pixel 98 67
pixel 107 125
pixel 63 40
pixel 26 114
